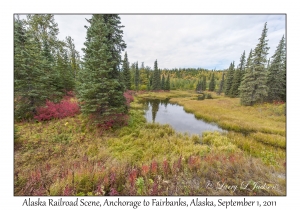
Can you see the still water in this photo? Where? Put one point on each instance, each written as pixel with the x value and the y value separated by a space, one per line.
pixel 163 112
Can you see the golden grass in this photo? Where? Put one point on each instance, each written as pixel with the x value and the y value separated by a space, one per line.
pixel 258 130
pixel 227 112
pixel 70 157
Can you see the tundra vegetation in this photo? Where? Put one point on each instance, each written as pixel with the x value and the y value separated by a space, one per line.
pixel 80 127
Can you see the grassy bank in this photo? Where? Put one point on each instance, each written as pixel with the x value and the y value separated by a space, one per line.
pixel 258 131
pixel 228 113
pixel 70 157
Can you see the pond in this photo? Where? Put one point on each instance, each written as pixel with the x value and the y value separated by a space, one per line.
pixel 163 112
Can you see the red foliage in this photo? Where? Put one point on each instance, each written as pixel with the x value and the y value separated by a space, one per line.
pixel 69 95
pixel 154 167
pixel 128 96
pixel 113 120
pixel 112 178
pixel 132 176
pixel 154 190
pixel 61 110
pixel 193 162
pixel 145 170
pixel 165 166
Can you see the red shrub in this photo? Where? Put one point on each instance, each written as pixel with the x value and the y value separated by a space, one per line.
pixel 61 110
pixel 69 95
pixel 165 166
pixel 132 176
pixel 193 162
pixel 113 120
pixel 154 190
pixel 128 96
pixel 154 167
pixel 145 170
pixel 112 178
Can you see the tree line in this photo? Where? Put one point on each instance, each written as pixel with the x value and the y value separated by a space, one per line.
pixel 144 78
pixel 45 68
pixel 258 79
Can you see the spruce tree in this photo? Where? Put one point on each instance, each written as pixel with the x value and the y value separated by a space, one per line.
pixel 30 81
pixel 229 79
pixel 276 73
pixel 73 55
pixel 137 77
pixel 65 72
pixel 156 78
pixel 246 88
pixel 168 83
pixel 260 72
pixel 197 86
pixel 283 73
pixel 151 81
pixel 204 83
pixel 212 83
pixel 148 84
pixel 44 31
pixel 253 88
pixel 237 78
pixel 221 84
pixel 163 85
pixel 100 92
pixel 126 72
pixel 159 80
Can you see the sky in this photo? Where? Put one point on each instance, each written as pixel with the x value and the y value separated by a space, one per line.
pixel 182 41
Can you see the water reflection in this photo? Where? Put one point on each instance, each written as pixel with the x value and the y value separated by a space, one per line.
pixel 163 112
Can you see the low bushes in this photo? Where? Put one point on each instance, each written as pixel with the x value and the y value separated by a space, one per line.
pixel 65 108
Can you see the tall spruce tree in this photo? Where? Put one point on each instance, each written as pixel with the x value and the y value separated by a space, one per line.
pixel 100 92
pixel 44 31
pixel 163 85
pixel 212 83
pixel 204 83
pixel 137 77
pixel 283 96
pixel 168 83
pixel 276 73
pixel 126 72
pixel 260 71
pixel 159 80
pixel 237 78
pixel 73 56
pixel 151 81
pixel 253 88
pixel 65 72
pixel 221 84
pixel 30 81
pixel 229 79
pixel 148 84
pixel 156 77
pixel 246 88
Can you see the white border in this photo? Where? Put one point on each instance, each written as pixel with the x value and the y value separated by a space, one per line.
pixel 8 201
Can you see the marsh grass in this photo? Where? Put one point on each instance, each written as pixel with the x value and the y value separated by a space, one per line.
pixel 70 157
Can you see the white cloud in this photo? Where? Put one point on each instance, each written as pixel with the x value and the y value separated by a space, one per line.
pixel 73 25
pixel 178 41
pixel 206 41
